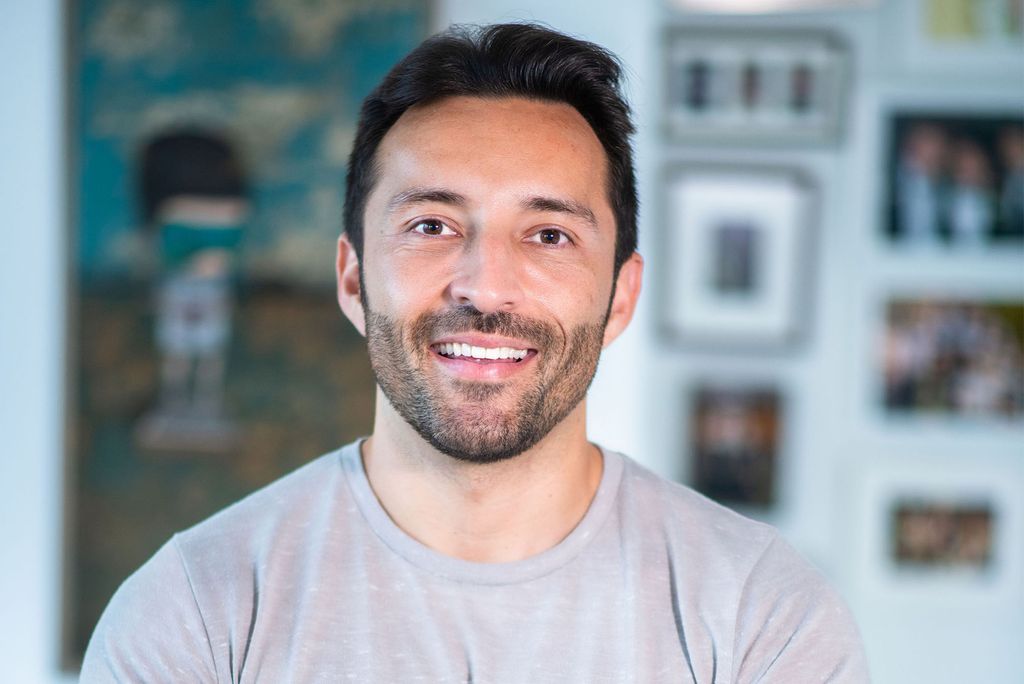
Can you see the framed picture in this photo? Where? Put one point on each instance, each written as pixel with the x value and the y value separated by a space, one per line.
pixel 736 241
pixel 954 358
pixel 943 532
pixel 735 437
pixel 754 86
pixel 207 356
pixel 955 180
pixel 963 35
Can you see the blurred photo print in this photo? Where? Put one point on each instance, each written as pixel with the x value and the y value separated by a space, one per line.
pixel 955 358
pixel 956 180
pixel 935 535
pixel 735 436
pixel 960 22
pixel 737 253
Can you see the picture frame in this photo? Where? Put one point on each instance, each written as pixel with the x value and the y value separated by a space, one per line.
pixel 736 435
pixel 954 358
pixel 735 247
pixel 954 179
pixel 754 86
pixel 941 532
pixel 964 36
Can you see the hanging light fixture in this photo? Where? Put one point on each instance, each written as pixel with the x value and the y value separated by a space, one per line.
pixel 768 6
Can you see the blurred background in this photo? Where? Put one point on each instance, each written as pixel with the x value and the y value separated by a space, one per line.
pixel 831 336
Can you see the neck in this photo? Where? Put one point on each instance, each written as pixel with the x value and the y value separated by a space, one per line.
pixel 490 513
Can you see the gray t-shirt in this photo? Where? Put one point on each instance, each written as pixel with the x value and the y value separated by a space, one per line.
pixel 309 580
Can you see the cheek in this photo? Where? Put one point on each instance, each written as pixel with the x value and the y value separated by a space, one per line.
pixel 573 293
pixel 400 283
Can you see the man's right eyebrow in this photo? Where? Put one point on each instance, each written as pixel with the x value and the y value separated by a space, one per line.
pixel 422 195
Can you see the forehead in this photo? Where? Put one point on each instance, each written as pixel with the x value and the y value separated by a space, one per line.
pixel 506 145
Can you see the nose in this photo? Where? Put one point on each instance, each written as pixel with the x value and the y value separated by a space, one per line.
pixel 488 276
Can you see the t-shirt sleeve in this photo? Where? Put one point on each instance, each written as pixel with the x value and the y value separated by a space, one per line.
pixel 793 627
pixel 152 629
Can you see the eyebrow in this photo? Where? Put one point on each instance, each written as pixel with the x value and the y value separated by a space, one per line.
pixel 562 206
pixel 422 195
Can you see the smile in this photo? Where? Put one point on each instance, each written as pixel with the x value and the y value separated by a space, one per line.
pixel 461 350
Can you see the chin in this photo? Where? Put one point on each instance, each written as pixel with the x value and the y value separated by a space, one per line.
pixel 479 453
pixel 482 434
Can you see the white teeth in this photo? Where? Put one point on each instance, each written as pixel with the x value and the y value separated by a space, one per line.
pixel 458 349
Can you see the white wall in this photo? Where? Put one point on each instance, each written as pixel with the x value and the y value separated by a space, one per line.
pixel 31 338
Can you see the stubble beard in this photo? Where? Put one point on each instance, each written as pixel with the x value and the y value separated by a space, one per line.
pixel 460 418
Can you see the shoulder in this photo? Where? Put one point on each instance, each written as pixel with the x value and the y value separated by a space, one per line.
pixel 685 519
pixel 792 625
pixel 151 626
pixel 783 619
pixel 286 519
pixel 171 614
pixel 271 515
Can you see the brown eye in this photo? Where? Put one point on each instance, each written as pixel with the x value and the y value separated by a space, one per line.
pixel 431 227
pixel 550 236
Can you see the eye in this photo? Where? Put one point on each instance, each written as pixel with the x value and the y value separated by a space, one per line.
pixel 432 227
pixel 551 236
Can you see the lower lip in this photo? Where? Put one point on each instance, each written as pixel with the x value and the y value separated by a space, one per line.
pixel 483 369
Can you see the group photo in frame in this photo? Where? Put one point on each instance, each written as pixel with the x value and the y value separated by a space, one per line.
pixel 933 534
pixel 938 530
pixel 946 357
pixel 754 86
pixel 736 271
pixel 954 180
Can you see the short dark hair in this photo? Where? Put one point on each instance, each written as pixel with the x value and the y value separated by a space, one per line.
pixel 503 60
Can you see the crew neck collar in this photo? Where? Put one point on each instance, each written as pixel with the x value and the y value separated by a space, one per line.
pixel 513 572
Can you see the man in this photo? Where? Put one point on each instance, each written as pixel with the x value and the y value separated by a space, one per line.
pixel 476 535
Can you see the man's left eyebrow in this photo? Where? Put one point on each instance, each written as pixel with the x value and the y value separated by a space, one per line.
pixel 562 206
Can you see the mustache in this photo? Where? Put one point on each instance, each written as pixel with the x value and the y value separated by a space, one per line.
pixel 467 318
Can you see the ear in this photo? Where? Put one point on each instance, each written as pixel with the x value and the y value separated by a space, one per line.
pixel 627 291
pixel 347 270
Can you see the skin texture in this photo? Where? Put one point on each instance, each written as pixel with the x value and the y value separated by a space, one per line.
pixel 490 225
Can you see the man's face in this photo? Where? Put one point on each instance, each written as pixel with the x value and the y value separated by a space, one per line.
pixel 488 271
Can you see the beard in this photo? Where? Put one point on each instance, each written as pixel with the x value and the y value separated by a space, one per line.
pixel 463 419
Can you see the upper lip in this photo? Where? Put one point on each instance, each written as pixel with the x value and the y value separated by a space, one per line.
pixel 481 340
